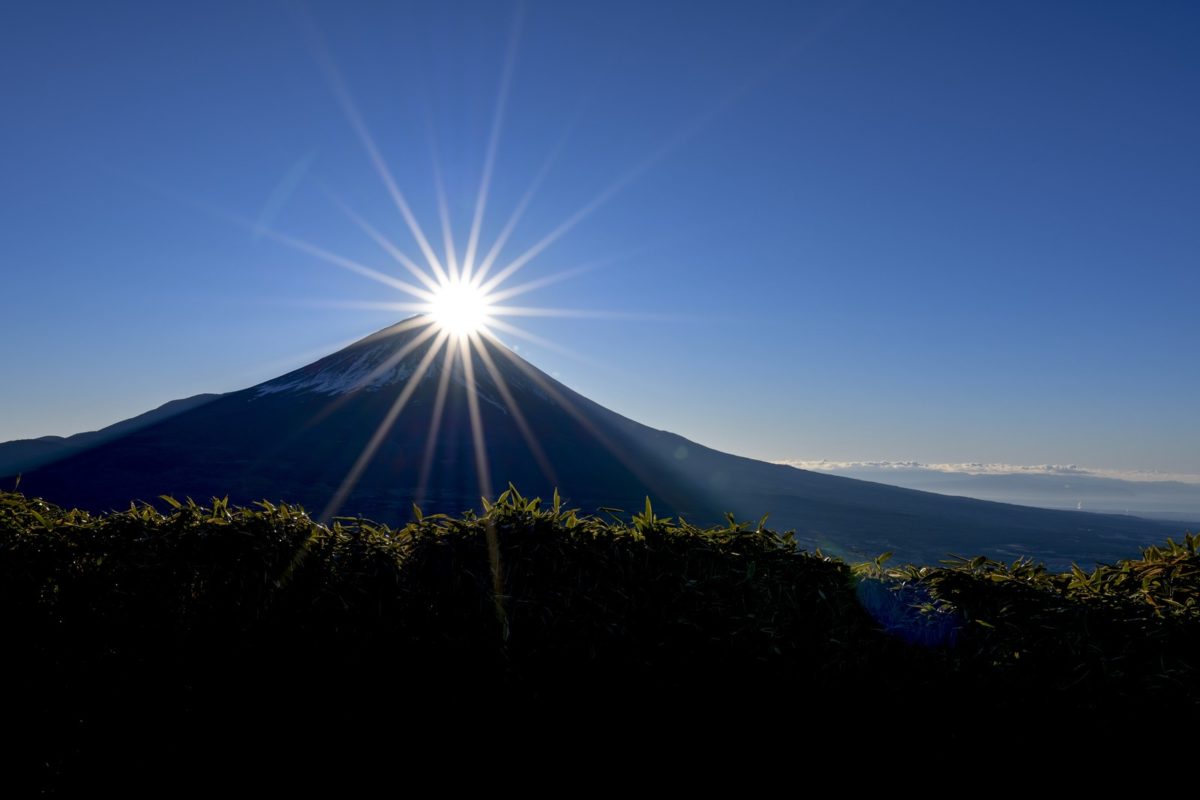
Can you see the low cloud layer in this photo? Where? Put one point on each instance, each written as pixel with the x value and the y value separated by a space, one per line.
pixel 980 468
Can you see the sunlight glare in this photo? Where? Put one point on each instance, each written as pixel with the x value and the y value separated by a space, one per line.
pixel 460 308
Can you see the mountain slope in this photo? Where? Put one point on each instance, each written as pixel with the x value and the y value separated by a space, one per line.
pixel 24 454
pixel 299 436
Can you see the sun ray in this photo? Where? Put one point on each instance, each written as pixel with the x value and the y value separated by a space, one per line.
pixel 346 263
pixel 393 360
pixel 253 374
pixel 338 401
pixel 388 246
pixel 530 372
pixel 364 305
pixel 477 438
pixel 349 108
pixel 392 330
pixel 381 432
pixel 439 189
pixel 489 162
pixel 510 224
pixel 435 424
pixel 394 190
pixel 292 242
pixel 565 226
pixel 580 313
pixel 637 469
pixel 678 137
pixel 485 483
pixel 514 408
pixel 538 340
pixel 547 280
pixel 500 295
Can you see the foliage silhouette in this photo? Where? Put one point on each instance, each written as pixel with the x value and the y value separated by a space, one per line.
pixel 153 643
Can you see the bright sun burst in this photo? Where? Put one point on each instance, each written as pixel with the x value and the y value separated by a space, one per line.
pixel 461 299
pixel 460 307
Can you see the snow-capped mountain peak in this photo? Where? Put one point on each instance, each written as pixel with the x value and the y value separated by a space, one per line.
pixel 385 358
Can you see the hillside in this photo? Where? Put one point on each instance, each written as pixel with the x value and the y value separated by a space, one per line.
pixel 212 639
pixel 297 437
pixel 22 455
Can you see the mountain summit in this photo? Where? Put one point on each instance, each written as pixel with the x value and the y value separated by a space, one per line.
pixel 299 437
pixel 395 419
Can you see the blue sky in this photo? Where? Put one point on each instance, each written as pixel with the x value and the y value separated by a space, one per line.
pixel 938 231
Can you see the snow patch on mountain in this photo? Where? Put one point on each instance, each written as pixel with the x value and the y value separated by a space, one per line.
pixel 373 365
pixel 368 370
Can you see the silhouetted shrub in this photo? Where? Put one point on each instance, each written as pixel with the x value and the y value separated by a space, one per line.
pixel 212 639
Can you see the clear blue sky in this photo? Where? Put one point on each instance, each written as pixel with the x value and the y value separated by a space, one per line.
pixel 941 231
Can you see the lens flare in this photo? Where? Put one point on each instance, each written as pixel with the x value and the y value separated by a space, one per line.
pixel 458 300
pixel 460 308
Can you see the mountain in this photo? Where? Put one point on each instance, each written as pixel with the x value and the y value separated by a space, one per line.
pixel 298 437
pixel 25 454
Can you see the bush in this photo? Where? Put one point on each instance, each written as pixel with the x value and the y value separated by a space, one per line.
pixel 146 644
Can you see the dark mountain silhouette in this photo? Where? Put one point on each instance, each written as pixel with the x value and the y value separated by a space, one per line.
pixel 26 454
pixel 296 438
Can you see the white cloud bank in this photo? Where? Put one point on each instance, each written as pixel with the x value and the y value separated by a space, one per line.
pixel 979 468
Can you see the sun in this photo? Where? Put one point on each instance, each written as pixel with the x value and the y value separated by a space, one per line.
pixel 459 307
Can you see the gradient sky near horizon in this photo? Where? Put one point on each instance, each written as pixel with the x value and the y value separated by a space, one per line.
pixel 937 231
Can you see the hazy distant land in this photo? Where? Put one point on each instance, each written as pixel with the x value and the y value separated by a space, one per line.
pixel 1168 497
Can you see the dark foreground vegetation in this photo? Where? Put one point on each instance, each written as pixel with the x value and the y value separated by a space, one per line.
pixel 212 640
